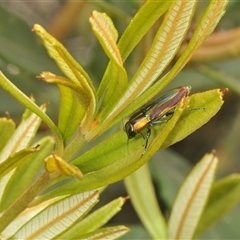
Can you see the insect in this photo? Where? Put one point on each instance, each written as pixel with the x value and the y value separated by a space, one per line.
pixel 159 109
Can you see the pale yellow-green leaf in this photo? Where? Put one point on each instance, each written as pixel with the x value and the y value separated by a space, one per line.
pixel 24 217
pixel 22 136
pixel 9 87
pixel 205 27
pixel 15 160
pixel 73 104
pixel 141 191
pixel 107 233
pixel 19 140
pixel 30 166
pixel 58 217
pixel 72 69
pixel 164 47
pixel 225 190
pixel 107 34
pixel 191 199
pixel 7 127
pixel 68 65
pixel 95 220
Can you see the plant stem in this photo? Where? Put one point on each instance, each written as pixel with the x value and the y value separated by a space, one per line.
pixel 22 202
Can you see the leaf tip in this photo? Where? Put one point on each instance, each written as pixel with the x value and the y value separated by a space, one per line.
pixel 224 91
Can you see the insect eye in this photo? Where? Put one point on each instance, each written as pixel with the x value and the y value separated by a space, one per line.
pixel 130 130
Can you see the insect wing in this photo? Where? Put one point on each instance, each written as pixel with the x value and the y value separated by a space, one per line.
pixel 168 102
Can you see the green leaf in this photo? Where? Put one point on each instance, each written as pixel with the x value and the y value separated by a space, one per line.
pixel 191 199
pixel 201 108
pixel 15 160
pixel 23 135
pixel 205 27
pixel 95 220
pixel 73 104
pixel 58 217
pixel 28 103
pixel 225 194
pixel 164 47
pixel 141 192
pixel 71 112
pixel 107 35
pixel 147 15
pixel 31 161
pixel 20 139
pixel 70 67
pixel 142 21
pixel 162 51
pixel 107 233
pixel 7 127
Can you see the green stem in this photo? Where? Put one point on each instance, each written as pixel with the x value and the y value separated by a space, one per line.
pixel 22 202
pixel 73 147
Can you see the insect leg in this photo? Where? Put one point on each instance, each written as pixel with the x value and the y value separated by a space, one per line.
pixel 164 118
pixel 147 137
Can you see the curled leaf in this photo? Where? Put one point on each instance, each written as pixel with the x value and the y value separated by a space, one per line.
pixel 55 164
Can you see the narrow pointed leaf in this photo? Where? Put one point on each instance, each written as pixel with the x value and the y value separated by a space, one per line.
pixel 191 199
pixel 205 27
pixel 70 67
pixel 147 15
pixel 22 136
pixel 164 47
pixel 73 104
pixel 24 217
pixel 7 127
pixel 117 79
pixel 71 112
pixel 20 140
pixel 107 233
pixel 137 28
pixel 204 106
pixel 15 160
pixel 28 103
pixel 143 198
pixel 58 217
pixel 95 220
pixel 27 171
pixel 201 108
pixel 107 35
pixel 226 190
